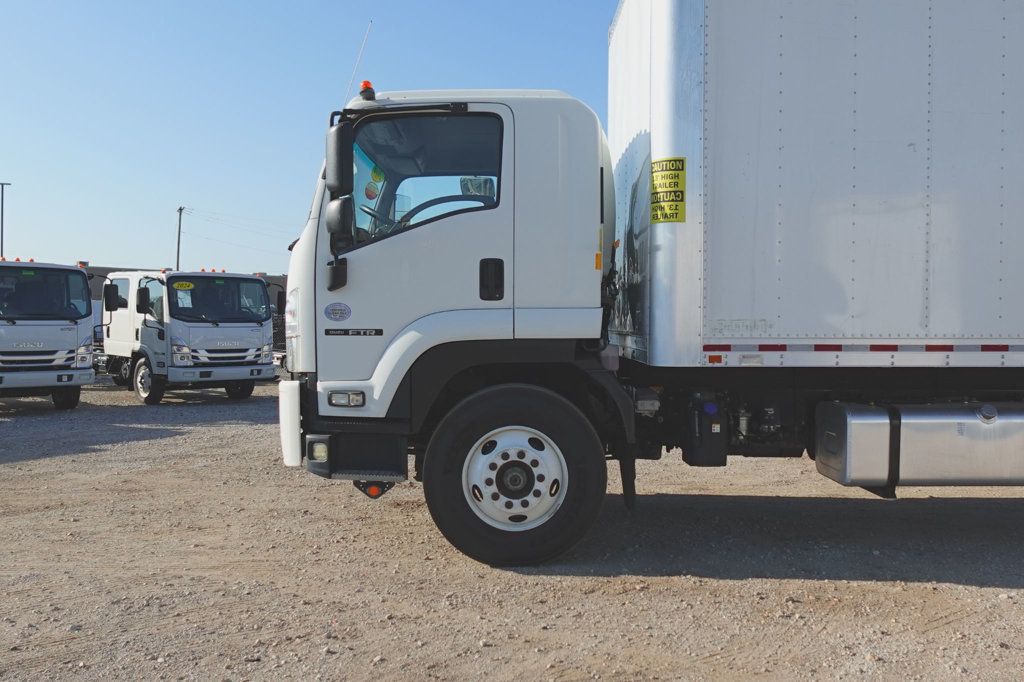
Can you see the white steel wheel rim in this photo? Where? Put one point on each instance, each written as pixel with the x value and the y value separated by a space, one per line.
pixel 515 478
pixel 144 380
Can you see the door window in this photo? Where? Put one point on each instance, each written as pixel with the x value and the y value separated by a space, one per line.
pixel 411 170
pixel 122 286
pixel 156 298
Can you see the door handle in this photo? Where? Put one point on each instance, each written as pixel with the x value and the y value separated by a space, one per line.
pixel 492 279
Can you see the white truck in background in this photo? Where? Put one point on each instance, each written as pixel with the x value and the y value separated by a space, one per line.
pixel 167 329
pixel 801 235
pixel 45 332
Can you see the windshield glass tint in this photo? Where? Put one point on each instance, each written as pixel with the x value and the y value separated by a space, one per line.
pixel 218 299
pixel 43 294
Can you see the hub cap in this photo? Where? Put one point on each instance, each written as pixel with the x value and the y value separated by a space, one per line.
pixel 144 380
pixel 515 478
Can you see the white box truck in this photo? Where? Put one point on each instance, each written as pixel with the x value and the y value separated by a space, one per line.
pixel 45 332
pixel 168 329
pixel 802 235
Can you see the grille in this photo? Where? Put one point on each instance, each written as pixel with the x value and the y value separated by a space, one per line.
pixel 36 360
pixel 225 357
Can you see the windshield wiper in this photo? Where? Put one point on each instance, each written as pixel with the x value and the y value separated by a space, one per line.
pixel 8 320
pixel 196 318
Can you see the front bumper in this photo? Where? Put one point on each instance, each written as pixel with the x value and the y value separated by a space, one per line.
pixel 15 381
pixel 202 375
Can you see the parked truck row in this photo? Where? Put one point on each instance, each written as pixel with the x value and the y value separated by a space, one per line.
pixel 158 331
pixel 800 235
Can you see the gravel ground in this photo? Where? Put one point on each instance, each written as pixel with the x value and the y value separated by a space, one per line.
pixel 168 542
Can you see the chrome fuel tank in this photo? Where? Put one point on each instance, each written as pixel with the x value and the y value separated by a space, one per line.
pixel 927 445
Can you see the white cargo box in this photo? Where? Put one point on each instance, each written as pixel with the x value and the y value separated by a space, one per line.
pixel 852 182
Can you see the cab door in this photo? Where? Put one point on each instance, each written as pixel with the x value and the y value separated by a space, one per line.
pixel 119 336
pixel 433 194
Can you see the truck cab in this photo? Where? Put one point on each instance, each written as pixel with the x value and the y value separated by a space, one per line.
pixel 45 332
pixel 454 244
pixel 168 329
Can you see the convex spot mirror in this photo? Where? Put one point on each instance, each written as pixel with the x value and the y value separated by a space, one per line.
pixel 341 219
pixel 474 185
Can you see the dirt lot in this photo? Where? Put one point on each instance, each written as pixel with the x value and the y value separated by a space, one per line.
pixel 168 542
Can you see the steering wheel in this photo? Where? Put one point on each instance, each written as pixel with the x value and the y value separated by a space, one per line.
pixel 479 198
pixel 384 223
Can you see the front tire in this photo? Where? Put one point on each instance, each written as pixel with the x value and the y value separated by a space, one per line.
pixel 240 390
pixel 514 475
pixel 148 387
pixel 122 374
pixel 66 398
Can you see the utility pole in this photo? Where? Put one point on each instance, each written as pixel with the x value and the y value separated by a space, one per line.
pixel 3 186
pixel 177 263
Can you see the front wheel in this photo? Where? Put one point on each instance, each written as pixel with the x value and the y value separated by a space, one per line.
pixel 122 374
pixel 67 398
pixel 514 475
pixel 148 387
pixel 240 390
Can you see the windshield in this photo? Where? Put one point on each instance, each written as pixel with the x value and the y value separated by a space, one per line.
pixel 30 293
pixel 218 299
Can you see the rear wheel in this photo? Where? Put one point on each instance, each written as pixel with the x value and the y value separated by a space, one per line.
pixel 148 387
pixel 514 475
pixel 240 390
pixel 66 398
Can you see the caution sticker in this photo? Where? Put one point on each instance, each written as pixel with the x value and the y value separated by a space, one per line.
pixel 184 286
pixel 668 191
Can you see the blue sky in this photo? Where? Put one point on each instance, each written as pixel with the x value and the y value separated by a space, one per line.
pixel 112 114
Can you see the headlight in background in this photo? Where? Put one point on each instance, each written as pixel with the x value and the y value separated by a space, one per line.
pixel 291 329
pixel 83 355
pixel 181 354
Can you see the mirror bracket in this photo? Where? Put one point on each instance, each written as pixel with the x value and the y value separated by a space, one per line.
pixel 337 274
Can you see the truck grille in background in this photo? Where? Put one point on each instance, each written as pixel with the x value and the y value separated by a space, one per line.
pixel 219 357
pixel 36 360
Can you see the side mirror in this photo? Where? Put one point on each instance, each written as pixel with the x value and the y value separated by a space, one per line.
pixel 142 302
pixel 341 220
pixel 282 302
pixel 340 138
pixel 111 300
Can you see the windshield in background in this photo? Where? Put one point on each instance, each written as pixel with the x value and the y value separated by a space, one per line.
pixel 218 299
pixel 43 294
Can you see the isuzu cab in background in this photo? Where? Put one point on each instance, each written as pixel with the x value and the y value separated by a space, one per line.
pixel 802 235
pixel 45 332
pixel 169 330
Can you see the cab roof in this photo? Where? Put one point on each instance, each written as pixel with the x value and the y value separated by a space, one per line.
pixel 160 274
pixel 412 97
pixel 35 264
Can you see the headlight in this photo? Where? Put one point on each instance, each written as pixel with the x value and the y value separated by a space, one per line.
pixel 181 354
pixel 83 355
pixel 266 354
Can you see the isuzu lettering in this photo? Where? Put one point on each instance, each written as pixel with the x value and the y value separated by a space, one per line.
pixel 802 235
pixel 168 329
pixel 45 332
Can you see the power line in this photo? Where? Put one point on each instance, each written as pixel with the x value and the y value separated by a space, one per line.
pixel 242 246
pixel 233 216
pixel 251 229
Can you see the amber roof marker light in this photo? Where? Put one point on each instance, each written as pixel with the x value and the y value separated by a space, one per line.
pixel 366 91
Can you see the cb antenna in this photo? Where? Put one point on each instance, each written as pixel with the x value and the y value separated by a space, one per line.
pixel 359 59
